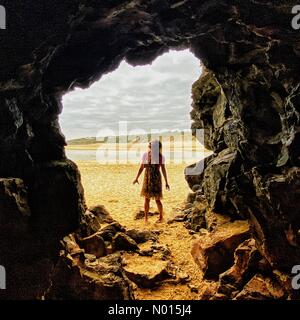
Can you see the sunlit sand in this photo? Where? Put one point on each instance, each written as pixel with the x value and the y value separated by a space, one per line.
pixel 109 182
pixel 111 185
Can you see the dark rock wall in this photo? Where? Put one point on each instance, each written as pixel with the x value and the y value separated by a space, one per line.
pixel 251 119
pixel 251 125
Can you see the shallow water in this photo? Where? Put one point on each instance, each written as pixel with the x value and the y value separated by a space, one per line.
pixel 81 155
pixel 125 157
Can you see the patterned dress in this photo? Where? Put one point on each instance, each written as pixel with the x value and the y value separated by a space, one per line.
pixel 152 185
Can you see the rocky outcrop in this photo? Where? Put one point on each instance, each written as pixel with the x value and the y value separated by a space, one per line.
pixel 19 249
pixel 149 278
pixel 94 244
pixel 93 266
pixel 214 251
pixel 246 176
pixel 247 101
pixel 247 262
pixel 121 241
pixel 209 110
pixel 102 215
pixel 142 236
pixel 111 267
pixel 83 277
pixel 56 199
pixel 153 266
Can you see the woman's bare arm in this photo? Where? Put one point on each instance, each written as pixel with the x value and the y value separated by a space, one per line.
pixel 164 171
pixel 141 168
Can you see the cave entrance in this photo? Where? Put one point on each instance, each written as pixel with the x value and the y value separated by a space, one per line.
pixel 108 127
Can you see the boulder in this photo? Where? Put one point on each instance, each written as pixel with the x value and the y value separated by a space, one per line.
pixel 187 225
pixel 102 279
pixel 146 275
pixel 121 241
pixel 103 216
pixel 163 250
pixel 109 231
pixel 182 277
pixel 149 252
pixel 90 257
pixel 109 248
pixel 71 246
pixel 94 244
pixel 141 236
pixel 200 198
pixel 214 253
pixel 246 264
pixel 89 224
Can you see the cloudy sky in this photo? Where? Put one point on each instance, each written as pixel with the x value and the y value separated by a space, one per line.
pixel 152 97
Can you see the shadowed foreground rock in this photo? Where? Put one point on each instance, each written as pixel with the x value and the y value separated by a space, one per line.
pixel 142 236
pixel 83 277
pixel 121 241
pixel 247 262
pixel 94 244
pixel 89 267
pixel 22 246
pixel 214 252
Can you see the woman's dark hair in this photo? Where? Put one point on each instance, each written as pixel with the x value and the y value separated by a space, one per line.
pixel 156 150
pixel 156 143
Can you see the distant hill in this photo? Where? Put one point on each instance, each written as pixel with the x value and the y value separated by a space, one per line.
pixel 89 140
pixel 131 138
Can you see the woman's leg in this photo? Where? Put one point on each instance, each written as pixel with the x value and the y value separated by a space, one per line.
pixel 160 209
pixel 146 208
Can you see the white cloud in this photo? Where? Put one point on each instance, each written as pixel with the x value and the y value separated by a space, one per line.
pixel 156 96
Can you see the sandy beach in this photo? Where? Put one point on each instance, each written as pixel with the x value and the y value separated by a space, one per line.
pixel 111 186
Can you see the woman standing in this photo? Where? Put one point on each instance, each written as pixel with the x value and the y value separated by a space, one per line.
pixel 153 162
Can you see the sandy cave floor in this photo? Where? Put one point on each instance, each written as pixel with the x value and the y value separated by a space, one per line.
pixel 111 186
